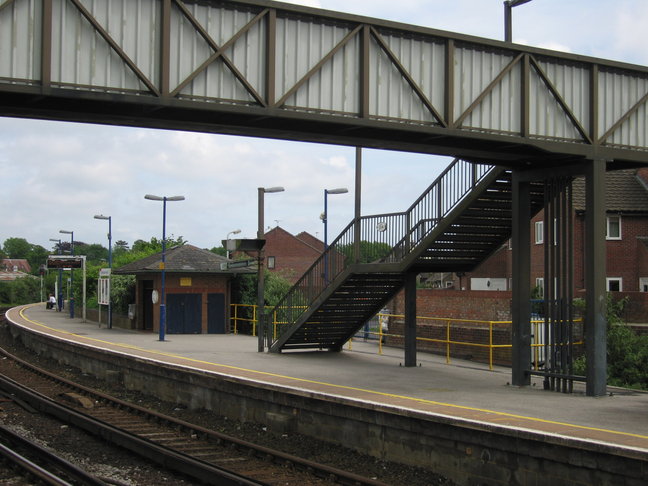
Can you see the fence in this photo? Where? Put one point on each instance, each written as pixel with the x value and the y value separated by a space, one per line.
pixel 488 341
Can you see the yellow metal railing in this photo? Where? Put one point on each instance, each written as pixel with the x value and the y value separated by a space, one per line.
pixel 379 334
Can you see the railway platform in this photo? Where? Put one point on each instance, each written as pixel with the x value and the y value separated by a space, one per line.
pixel 463 393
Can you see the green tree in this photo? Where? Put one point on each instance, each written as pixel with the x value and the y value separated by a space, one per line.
pixel 370 251
pixel 36 257
pixel 94 252
pixel 16 247
pixel 219 250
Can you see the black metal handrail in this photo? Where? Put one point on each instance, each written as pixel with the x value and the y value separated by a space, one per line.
pixel 384 238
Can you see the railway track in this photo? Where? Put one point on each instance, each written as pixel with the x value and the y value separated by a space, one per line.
pixel 35 463
pixel 204 455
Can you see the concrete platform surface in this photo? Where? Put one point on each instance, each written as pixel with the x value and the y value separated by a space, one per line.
pixel 463 390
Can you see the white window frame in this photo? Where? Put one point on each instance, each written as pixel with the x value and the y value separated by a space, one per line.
pixel 272 262
pixel 609 280
pixel 607 227
pixel 540 283
pixel 539 232
pixel 643 281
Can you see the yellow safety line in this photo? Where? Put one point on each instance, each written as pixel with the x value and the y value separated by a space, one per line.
pixel 344 387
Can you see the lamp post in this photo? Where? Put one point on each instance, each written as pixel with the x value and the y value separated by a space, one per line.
pixel 339 190
pixel 508 17
pixel 59 297
pixel 164 200
pixel 234 232
pixel 260 285
pixel 71 233
pixel 109 219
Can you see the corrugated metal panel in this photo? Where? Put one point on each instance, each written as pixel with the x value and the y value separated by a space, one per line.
pixel 500 108
pixel 391 96
pixel 300 46
pixel 618 93
pixel 573 84
pixel 189 50
pixel 80 56
pixel 20 40
pixel 547 118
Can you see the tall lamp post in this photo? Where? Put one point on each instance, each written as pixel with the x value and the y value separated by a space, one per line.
pixel 59 297
pixel 508 17
pixel 71 233
pixel 234 232
pixel 260 285
pixel 109 219
pixel 339 190
pixel 164 200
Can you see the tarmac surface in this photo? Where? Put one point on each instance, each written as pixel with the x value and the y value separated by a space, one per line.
pixel 464 390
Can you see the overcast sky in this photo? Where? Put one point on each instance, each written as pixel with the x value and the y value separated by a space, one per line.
pixel 58 175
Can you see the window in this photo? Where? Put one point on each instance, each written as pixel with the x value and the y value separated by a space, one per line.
pixel 614 284
pixel 643 284
pixel 613 228
pixel 539 232
pixel 540 287
pixel 271 262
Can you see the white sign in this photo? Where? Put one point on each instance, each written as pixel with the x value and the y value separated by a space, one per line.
pixel 104 272
pixel 154 296
pixel 103 291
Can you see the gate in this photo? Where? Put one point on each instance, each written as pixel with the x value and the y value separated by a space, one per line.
pixel 184 313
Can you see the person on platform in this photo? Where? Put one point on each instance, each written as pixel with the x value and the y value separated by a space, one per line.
pixel 51 302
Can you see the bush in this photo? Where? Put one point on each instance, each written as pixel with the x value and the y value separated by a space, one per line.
pixel 627 352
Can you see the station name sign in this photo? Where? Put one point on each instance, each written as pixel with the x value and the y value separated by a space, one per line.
pixel 65 261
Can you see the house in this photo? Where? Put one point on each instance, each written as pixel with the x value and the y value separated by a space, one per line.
pixel 14 268
pixel 626 245
pixel 197 289
pixel 289 255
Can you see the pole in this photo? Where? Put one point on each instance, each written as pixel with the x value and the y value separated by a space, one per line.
pixel 72 279
pixel 508 21
pixel 162 267
pixel 109 276
pixel 261 283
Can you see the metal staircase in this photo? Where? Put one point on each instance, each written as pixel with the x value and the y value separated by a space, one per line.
pixel 458 222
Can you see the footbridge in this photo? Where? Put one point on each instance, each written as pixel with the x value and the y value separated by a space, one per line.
pixel 266 69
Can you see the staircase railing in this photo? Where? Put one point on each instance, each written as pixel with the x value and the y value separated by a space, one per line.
pixel 384 238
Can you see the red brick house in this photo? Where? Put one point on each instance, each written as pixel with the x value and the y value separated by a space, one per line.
pixel 627 245
pixel 289 255
pixel 197 287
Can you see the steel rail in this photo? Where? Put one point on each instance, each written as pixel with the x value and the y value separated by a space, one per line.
pixel 137 444
pixel 41 463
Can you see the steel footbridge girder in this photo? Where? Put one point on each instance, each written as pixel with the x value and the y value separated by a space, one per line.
pixel 232 67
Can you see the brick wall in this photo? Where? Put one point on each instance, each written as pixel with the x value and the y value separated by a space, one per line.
pixel 455 304
pixel 292 256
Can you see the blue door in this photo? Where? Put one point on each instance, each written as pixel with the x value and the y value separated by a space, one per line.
pixel 184 313
pixel 216 313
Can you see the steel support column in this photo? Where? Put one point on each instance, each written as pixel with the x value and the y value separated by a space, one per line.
pixel 596 321
pixel 410 319
pixel 521 306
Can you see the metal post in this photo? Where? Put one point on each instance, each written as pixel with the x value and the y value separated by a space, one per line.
pixel 595 271
pixel 110 322
pixel 521 307
pixel 260 284
pixel 357 234
pixel 162 267
pixel 410 319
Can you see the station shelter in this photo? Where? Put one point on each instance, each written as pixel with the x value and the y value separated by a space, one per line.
pixel 197 290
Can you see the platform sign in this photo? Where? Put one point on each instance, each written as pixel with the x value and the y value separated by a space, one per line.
pixel 65 261
pixel 103 291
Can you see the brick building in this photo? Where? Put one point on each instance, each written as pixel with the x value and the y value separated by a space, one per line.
pixel 289 255
pixel 197 288
pixel 626 239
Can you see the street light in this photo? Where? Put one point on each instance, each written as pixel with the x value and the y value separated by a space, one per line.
pixel 71 233
pixel 339 190
pixel 59 297
pixel 260 285
pixel 235 232
pixel 508 17
pixel 109 219
pixel 164 200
